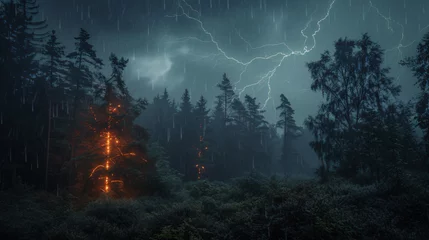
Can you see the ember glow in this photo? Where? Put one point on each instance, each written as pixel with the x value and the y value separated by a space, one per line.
pixel 106 183
pixel 200 167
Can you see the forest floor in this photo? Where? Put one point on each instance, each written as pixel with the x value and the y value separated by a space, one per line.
pixel 251 207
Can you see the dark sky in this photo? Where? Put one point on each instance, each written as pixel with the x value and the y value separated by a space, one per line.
pixel 262 45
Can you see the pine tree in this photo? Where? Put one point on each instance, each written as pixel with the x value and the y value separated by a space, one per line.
pixel 254 137
pixel 83 60
pixel 201 112
pixel 118 155
pixel 185 107
pixel 217 136
pixel 56 93
pixel 287 123
pixel 188 131
pixel 203 149
pixel 239 114
pixel 227 96
pixel 53 63
pixel 22 115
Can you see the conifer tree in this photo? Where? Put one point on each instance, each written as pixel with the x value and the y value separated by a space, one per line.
pixel 118 155
pixel 22 114
pixel 227 96
pixel 53 63
pixel 287 123
pixel 254 138
pixel 83 61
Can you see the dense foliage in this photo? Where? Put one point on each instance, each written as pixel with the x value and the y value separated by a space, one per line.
pixel 251 207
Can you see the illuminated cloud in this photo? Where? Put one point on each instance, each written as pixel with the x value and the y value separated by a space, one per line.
pixel 159 70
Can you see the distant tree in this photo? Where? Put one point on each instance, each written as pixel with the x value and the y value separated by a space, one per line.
pixel 53 63
pixel 201 112
pixel 83 61
pixel 239 114
pixel 186 105
pixel 189 138
pixel 204 149
pixel 226 96
pixel 239 128
pixel 257 128
pixel 255 117
pixel 287 123
pixel 55 91
pixel 420 67
pixel 353 82
pixel 217 137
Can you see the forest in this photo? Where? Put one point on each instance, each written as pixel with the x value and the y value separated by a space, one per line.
pixel 83 159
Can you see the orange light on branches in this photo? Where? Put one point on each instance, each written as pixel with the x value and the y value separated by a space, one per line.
pixel 200 169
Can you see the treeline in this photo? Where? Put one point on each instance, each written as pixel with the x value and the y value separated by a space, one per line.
pixel 362 132
pixel 225 142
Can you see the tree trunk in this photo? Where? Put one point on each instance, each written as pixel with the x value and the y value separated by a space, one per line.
pixel 48 145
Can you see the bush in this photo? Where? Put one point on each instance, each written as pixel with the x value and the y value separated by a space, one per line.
pixel 252 207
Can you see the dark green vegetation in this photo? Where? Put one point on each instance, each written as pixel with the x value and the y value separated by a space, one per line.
pixel 251 207
pixel 179 170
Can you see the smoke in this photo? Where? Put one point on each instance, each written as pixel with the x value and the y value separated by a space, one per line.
pixel 161 70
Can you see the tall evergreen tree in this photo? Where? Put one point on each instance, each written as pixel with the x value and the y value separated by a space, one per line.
pixel 56 92
pixel 226 96
pixel 53 63
pixel 201 112
pixel 21 88
pixel 217 137
pixel 256 130
pixel 185 107
pixel 188 130
pixel 112 150
pixel 287 123
pixel 199 142
pixel 83 60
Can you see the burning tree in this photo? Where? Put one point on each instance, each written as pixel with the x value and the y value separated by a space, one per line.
pixel 200 111
pixel 113 159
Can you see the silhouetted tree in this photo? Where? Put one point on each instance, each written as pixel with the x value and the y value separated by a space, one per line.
pixel 420 67
pixel 353 82
pixel 83 63
pixel 227 96
pixel 53 63
pixel 287 123
pixel 83 60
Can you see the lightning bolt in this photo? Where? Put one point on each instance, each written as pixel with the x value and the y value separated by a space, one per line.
pixel 389 22
pixel 184 9
pixel 400 46
pixel 279 56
